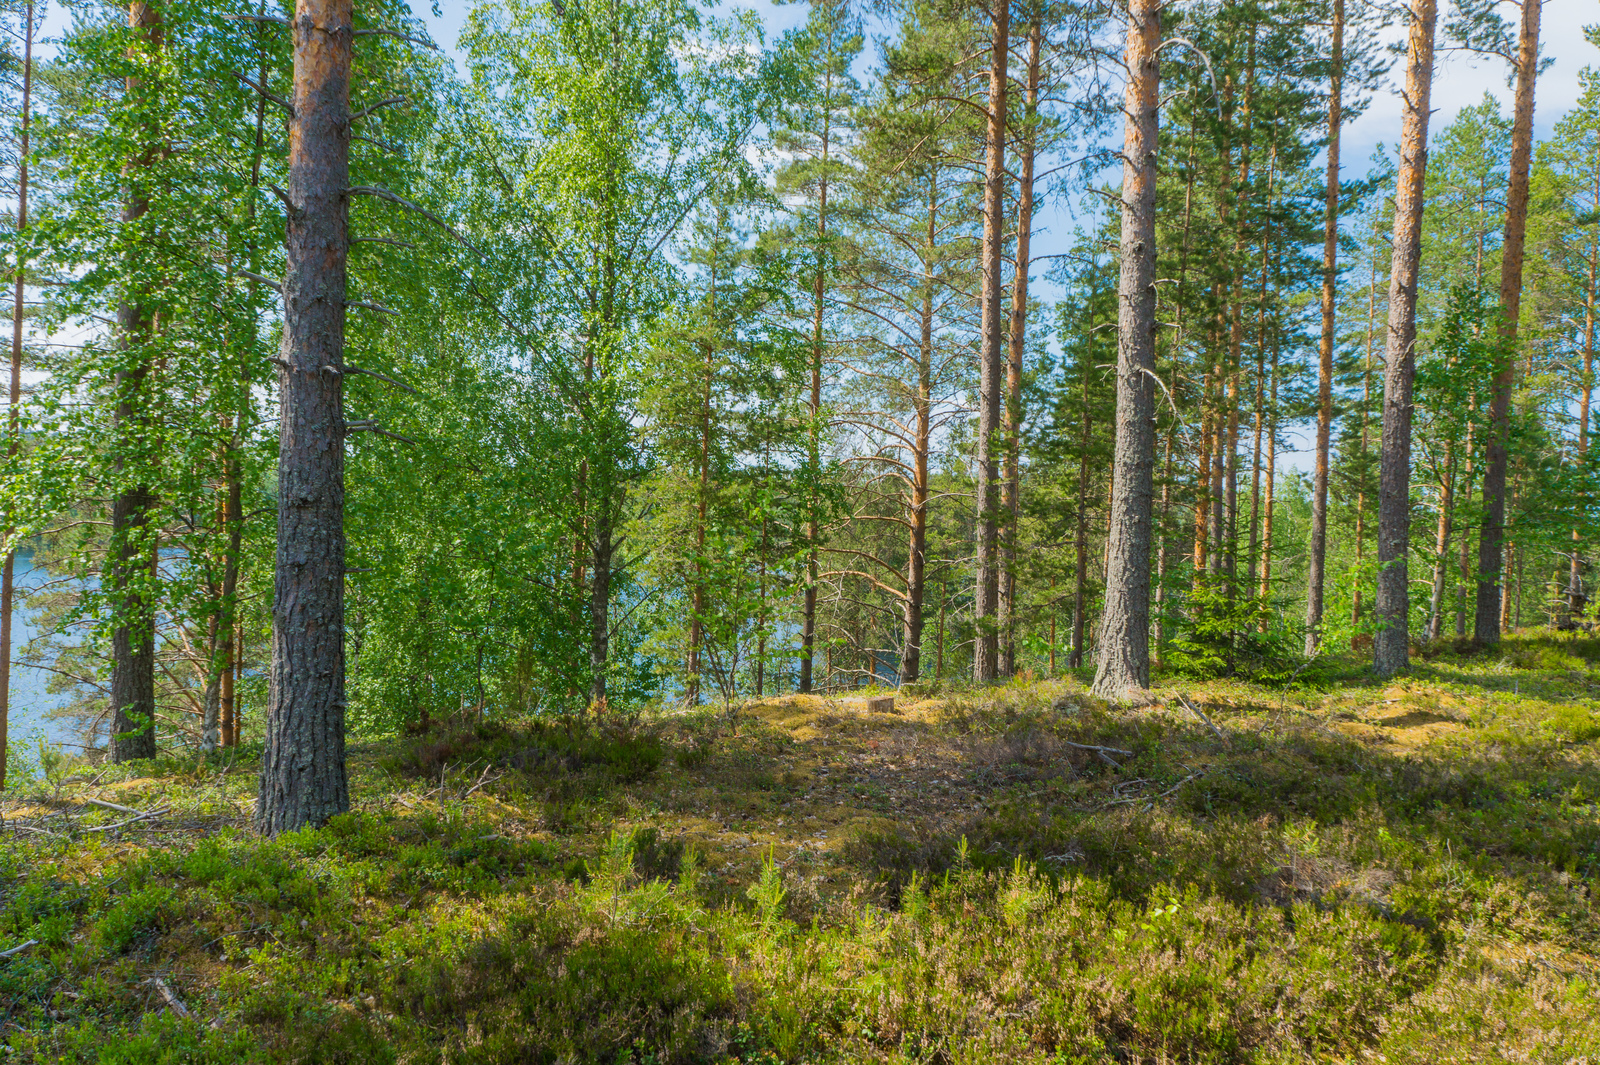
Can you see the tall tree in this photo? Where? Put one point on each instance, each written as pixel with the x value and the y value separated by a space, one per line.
pixel 1315 576
pixel 133 557
pixel 1486 619
pixel 1123 662
pixel 1390 647
pixel 303 778
pixel 814 135
pixel 991 353
pixel 1017 340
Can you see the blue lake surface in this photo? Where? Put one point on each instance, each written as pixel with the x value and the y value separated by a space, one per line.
pixel 30 703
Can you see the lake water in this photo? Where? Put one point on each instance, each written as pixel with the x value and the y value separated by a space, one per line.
pixel 30 703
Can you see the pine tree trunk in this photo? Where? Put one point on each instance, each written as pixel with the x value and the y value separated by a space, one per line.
pixel 132 559
pixel 1080 578
pixel 1441 546
pixel 1316 574
pixel 917 513
pixel 603 548
pixel 1390 645
pixel 1366 422
pixel 1123 656
pixel 303 778
pixel 1015 348
pixel 13 421
pixel 986 643
pixel 1576 599
pixel 702 497
pixel 1487 622
pixel 808 609
pixel 1272 482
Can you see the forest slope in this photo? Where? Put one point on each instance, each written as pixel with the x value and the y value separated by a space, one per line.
pixel 1006 874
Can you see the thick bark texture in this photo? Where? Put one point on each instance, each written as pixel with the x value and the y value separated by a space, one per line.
pixel 1316 575
pixel 131 562
pixel 1123 658
pixel 1487 617
pixel 986 641
pixel 1390 644
pixel 13 425
pixel 303 766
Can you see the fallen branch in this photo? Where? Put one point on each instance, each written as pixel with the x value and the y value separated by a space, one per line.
pixel 481 781
pixel 19 948
pixel 41 831
pixel 1196 711
pixel 173 1001
pixel 143 816
pixel 112 806
pixel 1163 795
pixel 1092 747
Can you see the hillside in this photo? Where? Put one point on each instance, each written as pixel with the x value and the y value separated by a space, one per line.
pixel 1358 871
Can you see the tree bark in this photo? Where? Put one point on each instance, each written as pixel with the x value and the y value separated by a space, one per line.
pixel 1017 344
pixel 1080 578
pixel 1390 645
pixel 1576 599
pixel 808 608
pixel 13 421
pixel 1272 482
pixel 1365 444
pixel 1441 545
pixel 1486 622
pixel 1316 575
pixel 132 558
pixel 986 642
pixel 303 779
pixel 1123 658
pixel 917 512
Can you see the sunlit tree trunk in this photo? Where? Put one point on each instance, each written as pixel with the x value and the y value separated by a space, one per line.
pixel 1390 648
pixel 1575 597
pixel 986 644
pixel 1017 345
pixel 1123 656
pixel 303 778
pixel 1316 574
pixel 1487 621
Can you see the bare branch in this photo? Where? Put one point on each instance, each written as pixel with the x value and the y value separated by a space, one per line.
pixel 397 36
pixel 364 112
pixel 280 101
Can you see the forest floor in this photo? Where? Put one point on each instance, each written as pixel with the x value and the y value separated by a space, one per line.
pixel 1353 871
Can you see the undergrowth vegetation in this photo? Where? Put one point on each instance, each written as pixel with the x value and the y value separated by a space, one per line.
pixel 1232 874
